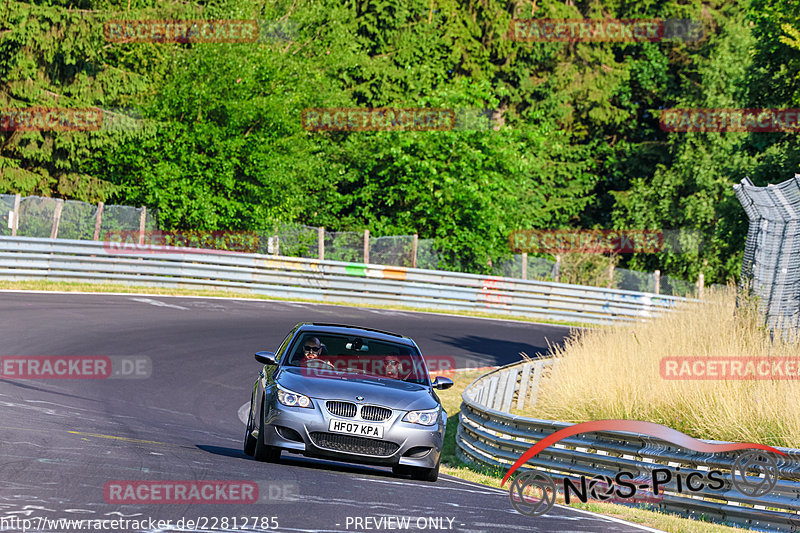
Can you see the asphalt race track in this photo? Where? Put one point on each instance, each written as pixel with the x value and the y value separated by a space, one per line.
pixel 64 440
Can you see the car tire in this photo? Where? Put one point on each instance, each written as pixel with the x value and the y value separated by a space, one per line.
pixel 401 470
pixel 426 474
pixel 421 474
pixel 249 446
pixel 263 452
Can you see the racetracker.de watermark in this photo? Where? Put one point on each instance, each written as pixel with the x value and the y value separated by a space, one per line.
pixel 75 367
pixel 400 119
pixel 392 366
pixel 602 241
pixel 604 30
pixel 50 119
pixel 378 119
pixel 181 31
pixel 197 31
pixel 202 492
pixel 729 368
pixel 734 120
pixel 154 242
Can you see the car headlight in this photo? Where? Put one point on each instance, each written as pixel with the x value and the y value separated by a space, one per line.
pixel 293 399
pixel 425 418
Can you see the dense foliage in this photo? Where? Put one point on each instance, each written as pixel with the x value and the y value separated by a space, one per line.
pixel 576 141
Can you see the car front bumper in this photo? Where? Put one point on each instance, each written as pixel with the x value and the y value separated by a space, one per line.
pixel 306 431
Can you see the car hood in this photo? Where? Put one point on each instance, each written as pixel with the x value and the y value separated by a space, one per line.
pixel 378 391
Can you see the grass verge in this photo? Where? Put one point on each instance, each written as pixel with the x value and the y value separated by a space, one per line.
pixel 616 373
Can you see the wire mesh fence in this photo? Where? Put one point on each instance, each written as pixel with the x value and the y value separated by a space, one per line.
pixel 345 246
pixel 51 217
pixel 78 220
pixel 396 250
pixel 36 216
pixel 586 269
pixel 771 263
pixel 428 256
pixel 7 213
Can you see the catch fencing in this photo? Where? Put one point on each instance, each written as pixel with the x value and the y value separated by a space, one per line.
pixel 490 435
pixel 34 216
pixel 24 258
pixel 771 263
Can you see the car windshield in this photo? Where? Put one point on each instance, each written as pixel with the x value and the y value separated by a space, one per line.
pixel 325 354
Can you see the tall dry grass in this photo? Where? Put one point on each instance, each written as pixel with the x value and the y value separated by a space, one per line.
pixel 614 373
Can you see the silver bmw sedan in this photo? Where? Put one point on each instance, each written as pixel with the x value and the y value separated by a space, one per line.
pixel 348 393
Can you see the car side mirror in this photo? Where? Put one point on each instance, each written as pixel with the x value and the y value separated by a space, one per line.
pixel 442 383
pixel 266 358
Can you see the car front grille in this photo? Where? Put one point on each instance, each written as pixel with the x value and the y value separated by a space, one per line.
pixel 373 412
pixel 349 409
pixel 360 445
pixel 346 409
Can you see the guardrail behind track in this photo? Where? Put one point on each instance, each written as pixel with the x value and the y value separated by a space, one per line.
pixel 25 258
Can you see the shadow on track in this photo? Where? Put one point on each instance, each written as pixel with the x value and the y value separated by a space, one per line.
pixel 296 460
pixel 501 351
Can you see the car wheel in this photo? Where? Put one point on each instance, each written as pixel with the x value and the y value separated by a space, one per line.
pixel 422 474
pixel 426 474
pixel 249 446
pixel 401 470
pixel 263 452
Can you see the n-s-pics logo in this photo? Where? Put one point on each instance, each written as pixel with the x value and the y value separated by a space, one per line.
pixel 533 493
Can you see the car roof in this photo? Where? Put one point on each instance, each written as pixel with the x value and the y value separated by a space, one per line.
pixel 344 329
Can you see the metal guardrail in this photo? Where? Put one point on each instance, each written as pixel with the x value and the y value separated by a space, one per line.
pixel 488 434
pixel 24 258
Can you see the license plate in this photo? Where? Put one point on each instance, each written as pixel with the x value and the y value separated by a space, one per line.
pixel 356 428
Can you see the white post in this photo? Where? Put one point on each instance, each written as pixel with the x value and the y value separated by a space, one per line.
pixel 321 243
pixel 366 246
pixel 657 279
pixel 15 223
pixel 56 218
pixel 142 218
pixel 524 265
pixel 557 274
pixel 98 220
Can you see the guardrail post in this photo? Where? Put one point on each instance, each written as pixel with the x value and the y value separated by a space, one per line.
pixel 700 285
pixel 366 246
pixel 321 243
pixel 414 246
pixel 523 386
pixel 524 265
pixel 499 396
pixel 538 369
pixel 15 223
pixel 98 220
pixel 557 268
pixel 657 279
pixel 142 218
pixel 56 218
pixel 511 387
pixel 491 392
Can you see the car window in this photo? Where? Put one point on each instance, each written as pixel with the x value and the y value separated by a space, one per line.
pixel 359 355
pixel 284 343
